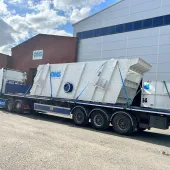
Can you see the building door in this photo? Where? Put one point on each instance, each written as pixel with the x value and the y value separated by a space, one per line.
pixel 32 74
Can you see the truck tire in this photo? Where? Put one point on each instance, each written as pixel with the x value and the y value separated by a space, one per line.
pixel 123 123
pixel 10 105
pixel 80 116
pixel 99 119
pixel 19 106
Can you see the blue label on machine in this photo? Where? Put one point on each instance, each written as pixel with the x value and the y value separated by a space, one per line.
pixel 55 74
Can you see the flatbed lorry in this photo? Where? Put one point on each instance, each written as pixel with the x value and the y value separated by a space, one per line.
pixel 103 93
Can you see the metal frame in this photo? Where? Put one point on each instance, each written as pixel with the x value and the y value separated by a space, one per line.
pixel 104 105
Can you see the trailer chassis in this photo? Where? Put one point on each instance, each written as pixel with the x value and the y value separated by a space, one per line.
pixel 124 119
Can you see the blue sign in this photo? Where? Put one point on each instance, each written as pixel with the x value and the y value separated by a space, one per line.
pixel 38 55
pixel 55 74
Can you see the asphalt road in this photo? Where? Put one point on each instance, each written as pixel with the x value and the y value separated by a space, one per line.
pixel 43 142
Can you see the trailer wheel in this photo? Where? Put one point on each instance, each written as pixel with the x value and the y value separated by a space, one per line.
pixel 123 123
pixel 10 105
pixel 80 117
pixel 19 106
pixel 99 119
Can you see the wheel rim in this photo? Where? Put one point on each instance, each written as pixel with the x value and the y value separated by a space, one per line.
pixel 98 120
pixel 18 106
pixel 10 106
pixel 123 124
pixel 80 116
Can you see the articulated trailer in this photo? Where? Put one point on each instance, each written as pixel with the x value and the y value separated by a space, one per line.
pixel 103 93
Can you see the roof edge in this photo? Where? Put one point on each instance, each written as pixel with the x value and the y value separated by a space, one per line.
pixel 5 55
pixel 40 34
pixel 98 12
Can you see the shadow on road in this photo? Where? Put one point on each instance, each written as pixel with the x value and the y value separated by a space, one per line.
pixel 146 136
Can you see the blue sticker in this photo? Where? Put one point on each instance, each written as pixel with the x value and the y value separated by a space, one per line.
pixel 146 86
pixel 56 74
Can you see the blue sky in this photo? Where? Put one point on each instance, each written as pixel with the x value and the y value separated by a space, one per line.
pixel 22 19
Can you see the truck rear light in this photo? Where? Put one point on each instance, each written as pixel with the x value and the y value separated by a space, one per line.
pixel 26 106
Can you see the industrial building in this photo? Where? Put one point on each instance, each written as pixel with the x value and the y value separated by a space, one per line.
pixel 129 28
pixel 43 49
pixel 5 61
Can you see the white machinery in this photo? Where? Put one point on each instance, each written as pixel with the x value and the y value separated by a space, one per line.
pixel 7 75
pixel 112 81
pixel 156 95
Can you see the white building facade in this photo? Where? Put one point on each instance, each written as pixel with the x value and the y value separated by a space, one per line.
pixel 129 29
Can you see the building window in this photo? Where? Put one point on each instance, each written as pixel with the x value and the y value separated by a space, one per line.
pixel 131 26
pixel 128 27
pixel 167 20
pixel 105 31
pixel 147 23
pixel 120 28
pixel 97 32
pixel 79 35
pixel 89 34
pixel 112 30
pixel 85 34
pixel 137 25
pixel 158 21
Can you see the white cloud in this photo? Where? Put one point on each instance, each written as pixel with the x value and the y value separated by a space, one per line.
pixel 16 1
pixel 5 36
pixel 3 8
pixel 43 17
pixel 6 49
pixel 76 9
pixel 30 3
pixel 56 32
pixel 67 4
pixel 78 15
pixel 20 26
pixel 43 22
pixel 59 4
pixel 41 6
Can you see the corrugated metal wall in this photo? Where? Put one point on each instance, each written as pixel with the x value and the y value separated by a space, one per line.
pixel 56 49
pixel 153 44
